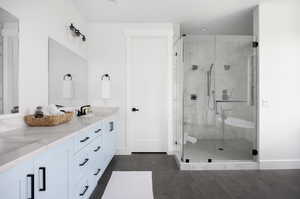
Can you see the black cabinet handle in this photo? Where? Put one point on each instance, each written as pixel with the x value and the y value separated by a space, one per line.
pixel 84 162
pixel 43 169
pixel 31 176
pixel 111 126
pixel 97 131
pixel 98 171
pixel 97 149
pixel 84 191
pixel 85 139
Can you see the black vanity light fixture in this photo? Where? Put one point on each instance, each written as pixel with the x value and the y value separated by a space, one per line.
pixel 76 32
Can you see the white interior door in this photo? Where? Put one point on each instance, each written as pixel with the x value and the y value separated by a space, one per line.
pixel 147 92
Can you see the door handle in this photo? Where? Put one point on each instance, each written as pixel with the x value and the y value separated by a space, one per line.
pixel 97 131
pixel 43 174
pixel 98 171
pixel 97 149
pixel 31 176
pixel 85 139
pixel 84 162
pixel 134 109
pixel 84 191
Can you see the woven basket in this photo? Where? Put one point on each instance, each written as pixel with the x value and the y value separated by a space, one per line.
pixel 51 120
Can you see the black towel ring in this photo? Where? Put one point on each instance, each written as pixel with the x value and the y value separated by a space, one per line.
pixel 105 76
pixel 67 76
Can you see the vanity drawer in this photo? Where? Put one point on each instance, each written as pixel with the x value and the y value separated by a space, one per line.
pixel 95 175
pixel 83 139
pixel 97 129
pixel 83 189
pixel 81 164
pixel 96 147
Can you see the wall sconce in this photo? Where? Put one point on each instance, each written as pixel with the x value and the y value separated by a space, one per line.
pixel 76 32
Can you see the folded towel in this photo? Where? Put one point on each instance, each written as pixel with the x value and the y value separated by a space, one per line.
pixel 52 110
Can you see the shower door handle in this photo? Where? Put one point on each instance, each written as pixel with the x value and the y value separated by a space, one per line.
pixel 134 109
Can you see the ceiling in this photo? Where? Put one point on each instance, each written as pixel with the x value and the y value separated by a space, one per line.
pixel 216 16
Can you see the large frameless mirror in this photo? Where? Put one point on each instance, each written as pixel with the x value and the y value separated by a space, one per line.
pixel 9 63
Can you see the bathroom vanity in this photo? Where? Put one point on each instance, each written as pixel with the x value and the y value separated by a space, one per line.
pixel 62 162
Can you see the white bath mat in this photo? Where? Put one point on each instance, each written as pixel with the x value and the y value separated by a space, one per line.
pixel 129 185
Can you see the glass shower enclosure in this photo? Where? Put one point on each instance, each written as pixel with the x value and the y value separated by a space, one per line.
pixel 218 98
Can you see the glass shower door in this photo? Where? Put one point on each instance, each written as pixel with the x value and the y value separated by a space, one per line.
pixel 235 90
pixel 219 99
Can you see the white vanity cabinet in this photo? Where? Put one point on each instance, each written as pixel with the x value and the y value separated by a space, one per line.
pixel 51 172
pixel 90 160
pixel 68 169
pixel 43 177
pixel 18 182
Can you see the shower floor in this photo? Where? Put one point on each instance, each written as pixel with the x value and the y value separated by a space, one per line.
pixel 238 149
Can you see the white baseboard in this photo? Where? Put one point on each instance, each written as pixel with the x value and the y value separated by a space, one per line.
pixel 220 166
pixel 279 164
pixel 122 151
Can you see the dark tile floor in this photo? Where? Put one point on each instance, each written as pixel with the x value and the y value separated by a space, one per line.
pixel 171 183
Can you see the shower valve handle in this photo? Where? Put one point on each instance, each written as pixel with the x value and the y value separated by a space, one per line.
pixel 134 109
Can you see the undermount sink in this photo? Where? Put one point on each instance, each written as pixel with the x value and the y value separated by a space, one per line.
pixel 237 122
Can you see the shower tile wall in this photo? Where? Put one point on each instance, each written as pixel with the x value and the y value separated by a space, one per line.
pixel 234 51
pixel 199 51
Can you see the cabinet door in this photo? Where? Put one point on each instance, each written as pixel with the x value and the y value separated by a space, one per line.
pixel 51 171
pixel 18 182
pixel 109 141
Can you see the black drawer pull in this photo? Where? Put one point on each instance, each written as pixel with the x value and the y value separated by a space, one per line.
pixel 111 126
pixel 85 139
pixel 97 149
pixel 31 176
pixel 43 169
pixel 84 162
pixel 97 131
pixel 84 191
pixel 98 171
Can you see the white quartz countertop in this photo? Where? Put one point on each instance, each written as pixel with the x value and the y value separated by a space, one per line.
pixel 23 143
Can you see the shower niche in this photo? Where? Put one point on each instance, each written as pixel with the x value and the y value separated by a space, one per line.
pixel 220 124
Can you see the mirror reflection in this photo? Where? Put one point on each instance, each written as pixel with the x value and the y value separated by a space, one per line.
pixel 9 63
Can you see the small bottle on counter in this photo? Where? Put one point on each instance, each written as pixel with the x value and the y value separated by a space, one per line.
pixel 39 112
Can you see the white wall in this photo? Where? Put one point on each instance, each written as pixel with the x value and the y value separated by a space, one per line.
pixel 107 54
pixel 279 37
pixel 38 21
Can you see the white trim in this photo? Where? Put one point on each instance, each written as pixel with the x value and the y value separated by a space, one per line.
pixel 230 165
pixel 150 32
pixel 280 164
pixel 122 151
